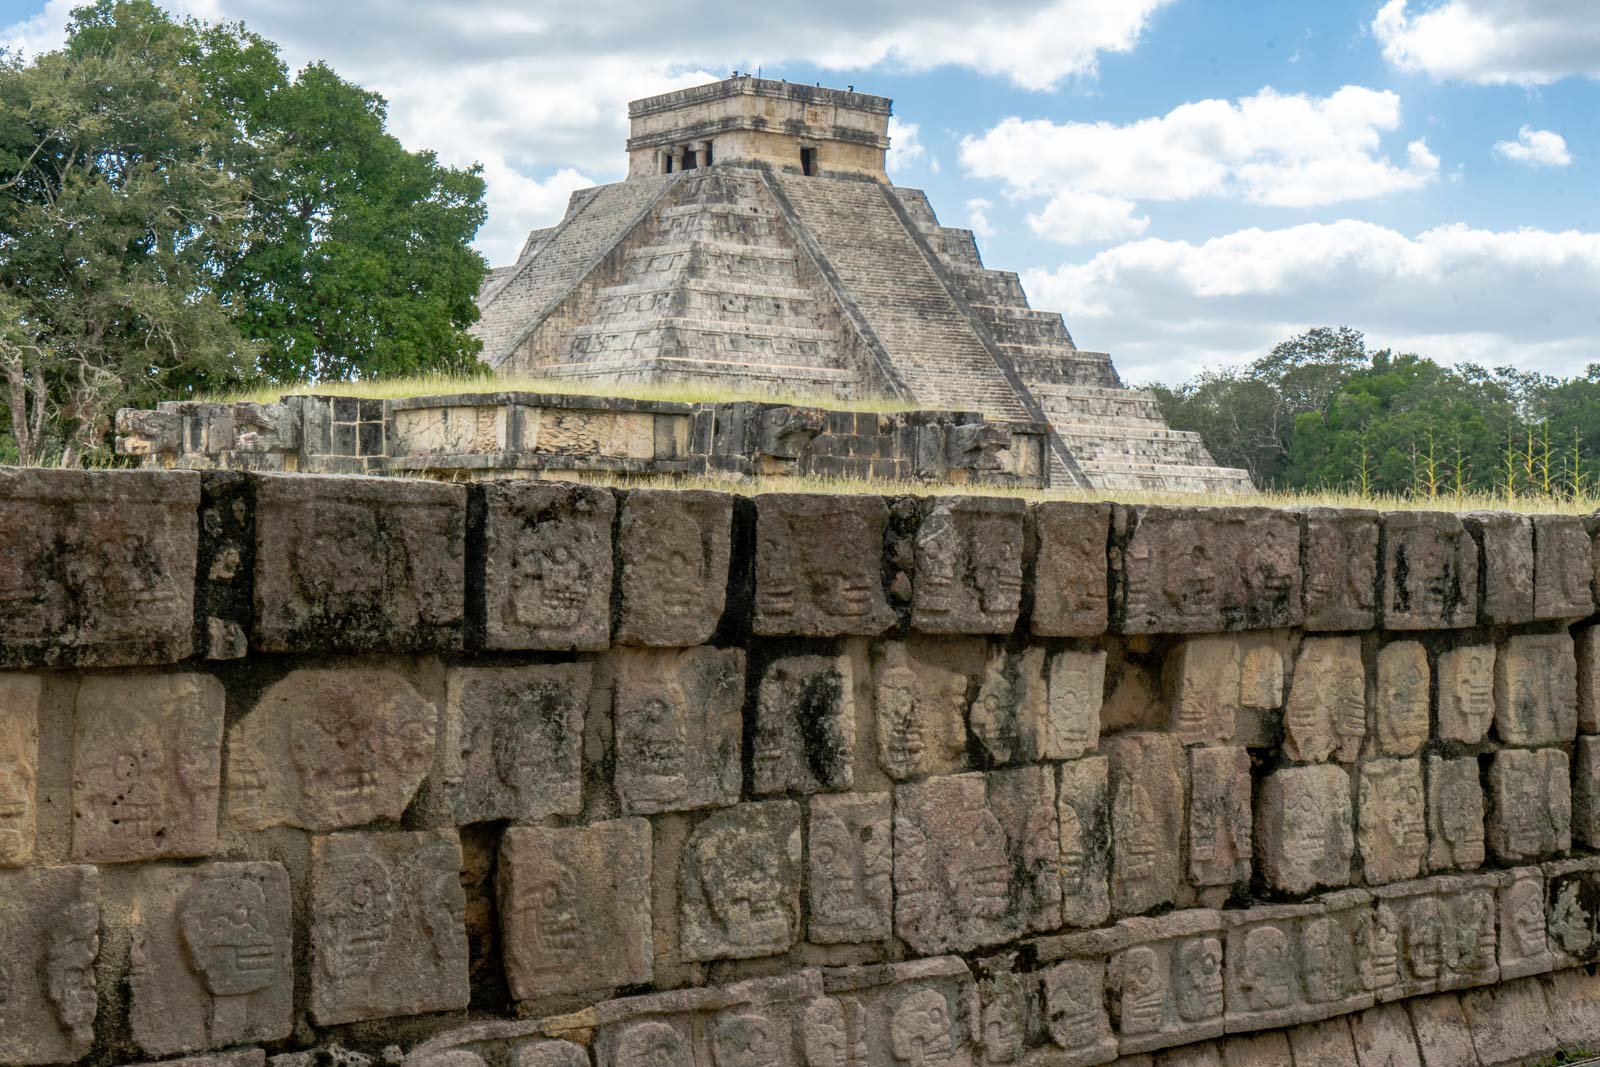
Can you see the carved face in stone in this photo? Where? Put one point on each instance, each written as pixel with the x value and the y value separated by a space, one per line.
pixel 938 563
pixel 997 554
pixel 1467 933
pixel 1003 1022
pixel 1525 912
pixel 746 1040
pixel 1267 969
pixel 652 1044
pixel 993 714
pixel 127 787
pixel 1136 851
pixel 356 928
pixel 850 869
pixel 550 578
pixel 655 743
pixel 919 1030
pixel 1200 968
pixel 1571 927
pixel 1474 696
pixel 1073 1008
pixel 1383 952
pixel 977 870
pixel 1402 819
pixel 338 758
pixel 1321 968
pixel 838 586
pixel 898 717
pixel 227 935
pixel 196 766
pixel 69 968
pixel 1074 854
pixel 1461 821
pixel 16 808
pixel 1424 948
pixel 824 1036
pixel 1144 990
pixel 742 889
pixel 672 561
pixel 550 917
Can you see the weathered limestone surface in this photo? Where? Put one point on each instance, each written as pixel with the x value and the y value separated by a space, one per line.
pixel 739 887
pixel 21 696
pixel 1429 574
pixel 678 722
pixel 1327 712
pixel 1069 598
pixel 969 566
pixel 1535 690
pixel 547 566
pixel 1303 828
pixel 851 871
pixel 819 565
pixel 517 740
pixel 1341 568
pixel 1147 790
pixel 49 947
pixel 674 546
pixel 805 726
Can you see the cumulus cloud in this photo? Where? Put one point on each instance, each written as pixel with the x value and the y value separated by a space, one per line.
pixel 978 218
pixel 1536 148
pixel 905 145
pixel 1165 308
pixel 1270 148
pixel 1491 42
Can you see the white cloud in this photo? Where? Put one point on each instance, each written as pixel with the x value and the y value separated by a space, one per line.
pixel 1270 148
pixel 1491 42
pixel 1167 308
pixel 978 218
pixel 905 145
pixel 40 32
pixel 1536 148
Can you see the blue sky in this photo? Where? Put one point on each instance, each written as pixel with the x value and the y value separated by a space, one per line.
pixel 1188 181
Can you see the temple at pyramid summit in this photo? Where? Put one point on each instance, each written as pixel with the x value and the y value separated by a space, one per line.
pixel 757 243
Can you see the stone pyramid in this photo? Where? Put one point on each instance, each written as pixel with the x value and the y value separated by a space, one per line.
pixel 757 244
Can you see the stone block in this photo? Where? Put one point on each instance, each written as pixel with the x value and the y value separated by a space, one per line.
pixel 1587 641
pixel 1572 911
pixel 99 567
pixel 1524 947
pixel 969 566
pixel 1298 962
pixel 1327 711
pixel 1261 676
pixel 1455 813
pixel 1323 1043
pixel 574 907
pixel 1259 1050
pixel 1077 686
pixel 1466 693
pixel 547 566
pixel 1204 682
pixel 1402 704
pixel 851 869
pixel 1506 540
pixel 921 711
pixel 212 959
pixel 1383 1037
pixel 1303 834
pixel 1003 1012
pixel 1072 994
pixel 674 545
pixel 1434 934
pixel 1147 772
pixel 359 564
pixel 805 727
pixel 1563 570
pixel 1530 804
pixel 325 749
pixel 1573 998
pixel 679 728
pixel 1085 817
pixel 1219 816
pixel 1429 574
pixel 1208 1054
pixel 1536 690
pixel 1194 570
pixel 647 1041
pixel 388 926
pixel 739 886
pixel 1510 1024
pixel 1166 985
pixel 146 767
pixel 49 945
pixel 818 566
pixel 21 697
pixel 922 1011
pixel 1069 575
pixel 518 740
pixel 977 859
pixel 1341 568
pixel 1392 829
pixel 1586 791
pixel 1443 1037
pixel 1010 717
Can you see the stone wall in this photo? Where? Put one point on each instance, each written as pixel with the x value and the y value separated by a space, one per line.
pixel 520 774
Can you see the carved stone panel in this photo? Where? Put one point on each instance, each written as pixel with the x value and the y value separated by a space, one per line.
pixel 977 859
pixel 1069 575
pixel 1429 572
pixel 678 728
pixel 324 749
pixel 1204 679
pixel 1507 540
pixel 1524 948
pixel 574 907
pixel 1190 570
pixel 1393 835
pixel 1003 1019
pixel 916 1014
pixel 1074 1007
pixel 1295 963
pixel 20 697
pixel 1010 716
pixel 969 566
pixel 747 1036
pixel 851 869
pixel 1303 828
pixel 1530 804
pixel 388 926
pixel 739 886
pixel 1563 570
pixel 1536 690
pixel 805 726
pixel 547 566
pixel 1586 791
pixel 1147 790
pixel 1455 813
pixel 1077 684
pixel 921 706
pixel 146 767
pixel 1341 568
pixel 1435 934
pixel 647 1041
pixel 1327 711
pixel 1466 693
pixel 1572 911
pixel 520 732
pixel 1167 985
pixel 1401 714
pixel 98 568
pixel 1085 813
pixel 818 565
pixel 212 957
pixel 359 564
pixel 674 545
pixel 49 943
pixel 1219 815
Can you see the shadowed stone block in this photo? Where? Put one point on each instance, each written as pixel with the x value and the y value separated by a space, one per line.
pixel 819 565
pixel 1303 828
pixel 1455 813
pixel 921 706
pixel 212 957
pixel 1536 690
pixel 20 701
pixel 575 907
pixel 1392 834
pixel 1147 791
pixel 1429 574
pixel 1341 568
pixel 851 869
pixel 146 767
pixel 1085 816
pixel 1466 693
pixel 1524 945
pixel 547 566
pixel 969 566
pixel 1434 934
pixel 1327 711
pixel 1167 985
pixel 49 944
pixel 1402 698
pixel 324 749
pixel 1586 791
pixel 674 545
pixel 98 568
pixel 1073 994
pixel 1069 576
pixel 679 726
pixel 248 1057
pixel 1077 685
pixel 805 728
pixel 739 887
pixel 388 926
pixel 1588 659
pixel 359 564
pixel 518 735
pixel 1563 570
pixel 1572 910
pixel 1219 815
pixel 1530 804
pixel 1506 539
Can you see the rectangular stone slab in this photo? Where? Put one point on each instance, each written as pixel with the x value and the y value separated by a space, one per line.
pixel 49 945
pixel 20 702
